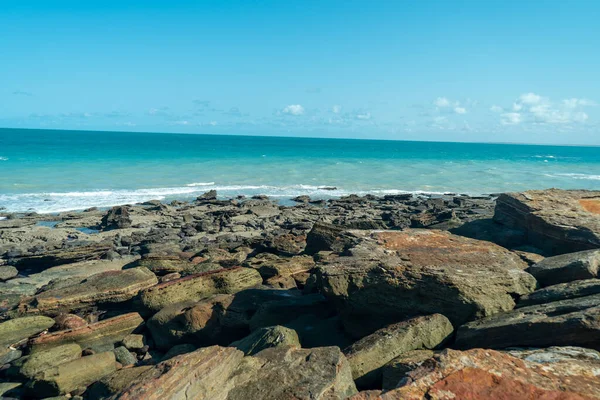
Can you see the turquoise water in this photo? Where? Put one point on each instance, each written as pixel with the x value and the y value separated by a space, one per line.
pixel 50 171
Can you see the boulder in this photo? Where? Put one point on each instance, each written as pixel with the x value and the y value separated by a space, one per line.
pixel 68 321
pixel 394 371
pixel 562 291
pixel 208 196
pixel 43 360
pixel 263 338
pixel 72 375
pixel 18 329
pixel 10 390
pixel 199 286
pixel 368 355
pixel 556 221
pixel 287 244
pixel 324 237
pixel 567 267
pixel 124 357
pixel 112 384
pixel 116 218
pixel 388 276
pixel 270 265
pixel 134 341
pixel 99 336
pixel 291 373
pixel 573 322
pixel 487 374
pixel 164 264
pixel 202 374
pixel 8 272
pixel 8 355
pixel 102 288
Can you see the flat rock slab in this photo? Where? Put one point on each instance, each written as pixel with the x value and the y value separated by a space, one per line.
pixel 556 221
pixel 390 276
pixel 199 286
pixel 574 322
pixel 99 336
pixel 567 267
pixel 488 374
pixel 54 357
pixel 368 355
pixel 15 330
pixel 63 256
pixel 562 291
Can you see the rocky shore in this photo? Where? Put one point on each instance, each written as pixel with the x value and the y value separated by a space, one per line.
pixel 395 297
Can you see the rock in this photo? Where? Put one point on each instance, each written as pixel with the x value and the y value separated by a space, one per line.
pixel 202 374
pixel 567 267
pixel 573 322
pixel 368 355
pixel 557 354
pixel 63 256
pixel 70 376
pixel 124 357
pixel 389 276
pixel 116 218
pixel 394 371
pixel 178 349
pixel 556 221
pixel 283 311
pixel 164 264
pixel 287 244
pixel 114 383
pixel 10 390
pixel 18 329
pixel 320 331
pixel 102 288
pixel 7 272
pixel 488 374
pixel 322 237
pixel 199 286
pixel 134 342
pixel 562 291
pixel 68 321
pixel 8 355
pixel 100 336
pixel 208 196
pixel 301 199
pixel 291 373
pixel 270 265
pixel 50 358
pixel 264 338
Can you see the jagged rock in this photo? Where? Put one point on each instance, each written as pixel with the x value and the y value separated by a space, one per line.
pixel 18 329
pixel 202 374
pixel 557 221
pixel 208 196
pixel 72 375
pixel 574 322
pixel 368 355
pixel 134 341
pixel 264 338
pixel 270 265
pixel 287 244
pixel 100 336
pixel 199 286
pixel 116 218
pixel 68 321
pixel 112 384
pixel 43 360
pixel 567 267
pixel 562 291
pixel 394 371
pixel 389 276
pixel 8 272
pixel 290 373
pixel 487 374
pixel 324 237
pixel 102 288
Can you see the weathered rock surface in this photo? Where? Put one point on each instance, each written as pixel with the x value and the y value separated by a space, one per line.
pixel 8 355
pixel 102 288
pixel 199 286
pixel 68 321
pixel 394 371
pixel 567 267
pixel 289 373
pixel 488 374
pixel 562 291
pixel 280 312
pixel 264 338
pixel 8 272
pixel 63 256
pixel 574 322
pixel 116 218
pixel 557 221
pixel 114 383
pixel 70 376
pixel 18 329
pixel 50 358
pixel 100 336
pixel 368 355
pixel 390 276
pixel 163 264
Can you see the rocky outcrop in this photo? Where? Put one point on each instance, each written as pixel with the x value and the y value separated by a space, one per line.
pixel 199 286
pixel 50 358
pixel 394 371
pixel 574 322
pixel 488 374
pixel 390 275
pixel 116 218
pixel 99 336
pixel 19 329
pixel 103 288
pixel 566 267
pixel 60 257
pixel 556 221
pixel 368 355
pixel 264 338
pixel 562 291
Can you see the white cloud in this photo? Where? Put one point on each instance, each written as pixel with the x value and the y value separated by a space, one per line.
pixel 517 106
pixel 531 98
pixel 511 118
pixel 496 109
pixel 182 122
pixel 336 109
pixel 442 102
pixel 574 103
pixel 460 110
pixel 293 109
pixel 364 116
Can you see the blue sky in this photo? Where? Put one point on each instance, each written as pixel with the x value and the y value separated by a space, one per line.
pixel 502 71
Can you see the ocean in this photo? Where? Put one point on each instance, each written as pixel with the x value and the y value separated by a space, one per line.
pixel 51 171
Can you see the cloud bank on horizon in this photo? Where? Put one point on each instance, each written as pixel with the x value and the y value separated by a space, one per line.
pixel 430 70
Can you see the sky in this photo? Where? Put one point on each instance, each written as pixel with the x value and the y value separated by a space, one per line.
pixel 485 71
